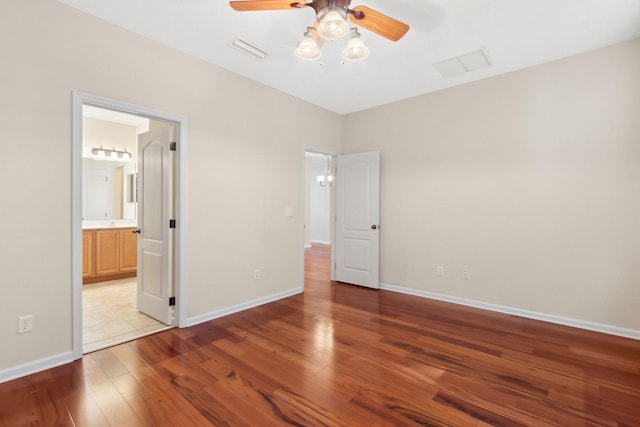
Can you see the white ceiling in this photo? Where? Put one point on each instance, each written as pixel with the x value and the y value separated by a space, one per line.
pixel 516 34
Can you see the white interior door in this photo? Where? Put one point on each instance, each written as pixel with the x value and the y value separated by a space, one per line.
pixel 357 219
pixel 155 207
pixel 95 193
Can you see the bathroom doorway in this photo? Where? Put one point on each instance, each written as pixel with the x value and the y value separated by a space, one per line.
pixel 110 209
pixel 118 277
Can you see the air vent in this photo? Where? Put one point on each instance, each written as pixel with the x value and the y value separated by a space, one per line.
pixel 462 64
pixel 248 49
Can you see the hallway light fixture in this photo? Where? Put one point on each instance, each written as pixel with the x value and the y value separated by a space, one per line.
pixel 327 178
pixel 116 155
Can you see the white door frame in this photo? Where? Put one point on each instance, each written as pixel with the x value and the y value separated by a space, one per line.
pixel 180 247
pixel 332 214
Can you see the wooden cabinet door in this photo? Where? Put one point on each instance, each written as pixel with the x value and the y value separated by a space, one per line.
pixel 128 250
pixel 107 251
pixel 87 253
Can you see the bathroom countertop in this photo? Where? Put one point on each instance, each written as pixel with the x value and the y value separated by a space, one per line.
pixel 101 225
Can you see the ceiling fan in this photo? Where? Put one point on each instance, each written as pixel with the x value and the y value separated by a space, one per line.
pixel 331 24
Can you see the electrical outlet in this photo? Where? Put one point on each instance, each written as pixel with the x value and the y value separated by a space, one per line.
pixel 465 274
pixel 25 323
pixel 440 271
pixel 256 274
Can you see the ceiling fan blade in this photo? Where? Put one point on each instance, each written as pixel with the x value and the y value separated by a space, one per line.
pixel 245 6
pixel 379 23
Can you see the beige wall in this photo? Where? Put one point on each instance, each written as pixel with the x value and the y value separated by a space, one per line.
pixel 530 179
pixel 239 133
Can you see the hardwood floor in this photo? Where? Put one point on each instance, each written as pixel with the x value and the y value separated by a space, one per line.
pixel 341 355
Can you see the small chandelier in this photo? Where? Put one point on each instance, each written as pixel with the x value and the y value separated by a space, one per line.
pixel 327 178
pixel 106 154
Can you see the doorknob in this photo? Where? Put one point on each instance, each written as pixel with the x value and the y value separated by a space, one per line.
pixel 137 231
pixel 373 227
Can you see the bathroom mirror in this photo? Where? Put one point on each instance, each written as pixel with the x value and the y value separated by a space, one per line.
pixel 108 190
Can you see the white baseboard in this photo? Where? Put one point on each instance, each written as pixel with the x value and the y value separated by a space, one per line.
pixel 201 318
pixel 35 366
pixel 576 323
pixel 307 246
pixel 321 242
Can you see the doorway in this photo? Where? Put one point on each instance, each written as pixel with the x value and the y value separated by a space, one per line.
pixel 354 213
pixel 319 213
pixel 116 228
pixel 111 310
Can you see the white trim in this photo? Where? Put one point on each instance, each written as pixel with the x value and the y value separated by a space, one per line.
pixel 321 242
pixel 124 340
pixel 35 366
pixel 201 318
pixel 560 320
pixel 79 99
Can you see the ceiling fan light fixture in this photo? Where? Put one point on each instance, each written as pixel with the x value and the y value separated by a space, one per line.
pixel 332 23
pixel 308 47
pixel 356 49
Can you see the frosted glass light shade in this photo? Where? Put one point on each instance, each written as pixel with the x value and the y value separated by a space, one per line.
pixel 308 48
pixel 356 49
pixel 333 24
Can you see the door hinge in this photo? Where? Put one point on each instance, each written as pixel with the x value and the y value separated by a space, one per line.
pixel 172 301
pixel 172 146
pixel 172 223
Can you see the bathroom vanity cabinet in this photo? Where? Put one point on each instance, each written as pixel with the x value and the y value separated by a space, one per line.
pixel 108 254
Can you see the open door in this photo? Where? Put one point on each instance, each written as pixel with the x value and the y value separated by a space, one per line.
pixel 155 209
pixel 357 219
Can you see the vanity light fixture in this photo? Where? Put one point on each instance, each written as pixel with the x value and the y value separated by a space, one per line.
pixel 106 154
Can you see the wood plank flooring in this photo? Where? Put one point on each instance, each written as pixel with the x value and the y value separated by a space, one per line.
pixel 341 355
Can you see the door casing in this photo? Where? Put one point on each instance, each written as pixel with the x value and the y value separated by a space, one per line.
pixel 180 247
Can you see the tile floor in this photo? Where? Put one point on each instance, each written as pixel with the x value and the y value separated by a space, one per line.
pixel 110 316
